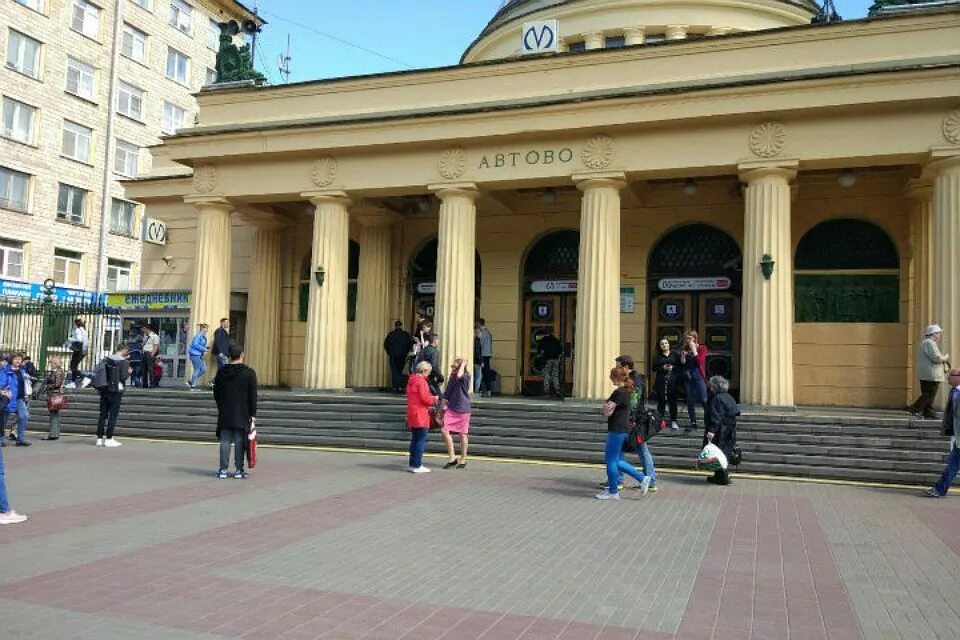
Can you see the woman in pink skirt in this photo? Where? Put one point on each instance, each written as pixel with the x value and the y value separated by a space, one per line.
pixel 456 417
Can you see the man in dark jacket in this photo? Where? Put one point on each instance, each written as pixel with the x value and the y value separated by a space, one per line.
pixel 721 423
pixel 951 428
pixel 397 344
pixel 431 354
pixel 235 390
pixel 221 343
pixel 109 378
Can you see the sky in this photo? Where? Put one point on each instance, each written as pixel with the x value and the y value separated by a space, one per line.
pixel 335 38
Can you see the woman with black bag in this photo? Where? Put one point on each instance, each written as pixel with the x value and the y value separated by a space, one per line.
pixel 666 368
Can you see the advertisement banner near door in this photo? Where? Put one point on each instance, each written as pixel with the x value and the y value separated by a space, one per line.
pixel 720 283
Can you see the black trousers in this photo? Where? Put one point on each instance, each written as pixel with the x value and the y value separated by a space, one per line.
pixel 237 437
pixel 109 410
pixel 396 371
pixel 75 359
pixel 928 393
pixel 485 383
pixel 667 396
pixel 146 366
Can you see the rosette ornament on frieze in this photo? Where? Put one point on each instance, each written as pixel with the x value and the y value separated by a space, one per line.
pixel 323 171
pixel 768 139
pixel 204 178
pixel 951 126
pixel 452 163
pixel 598 152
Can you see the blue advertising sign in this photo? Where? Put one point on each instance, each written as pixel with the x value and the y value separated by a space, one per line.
pixel 36 293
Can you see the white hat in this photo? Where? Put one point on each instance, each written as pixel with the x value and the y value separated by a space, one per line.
pixel 932 329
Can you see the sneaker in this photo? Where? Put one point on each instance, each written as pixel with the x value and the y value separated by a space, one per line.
pixel 606 485
pixel 241 475
pixel 653 488
pixel 606 495
pixel 222 474
pixel 932 493
pixel 85 383
pixel 70 385
pixel 645 486
pixel 111 443
pixel 99 442
pixel 12 517
pixel 23 443
pixel 675 426
pixel 420 469
pixel 12 436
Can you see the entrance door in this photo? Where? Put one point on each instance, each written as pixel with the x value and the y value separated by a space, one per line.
pixel 545 314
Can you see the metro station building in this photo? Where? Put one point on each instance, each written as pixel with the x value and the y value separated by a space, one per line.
pixel 791 191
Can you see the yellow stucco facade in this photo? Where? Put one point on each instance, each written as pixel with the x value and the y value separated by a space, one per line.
pixel 746 139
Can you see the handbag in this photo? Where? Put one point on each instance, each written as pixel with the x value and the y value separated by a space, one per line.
pixel 736 457
pixel 56 402
pixel 436 418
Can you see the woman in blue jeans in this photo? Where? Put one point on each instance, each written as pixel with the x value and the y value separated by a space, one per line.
pixel 198 349
pixel 617 410
pixel 419 401
pixel 693 361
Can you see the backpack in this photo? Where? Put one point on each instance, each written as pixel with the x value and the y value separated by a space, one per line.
pixel 106 377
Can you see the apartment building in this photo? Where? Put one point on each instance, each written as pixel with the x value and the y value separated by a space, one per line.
pixel 87 86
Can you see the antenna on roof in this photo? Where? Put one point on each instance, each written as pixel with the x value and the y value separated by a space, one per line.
pixel 827 13
pixel 283 63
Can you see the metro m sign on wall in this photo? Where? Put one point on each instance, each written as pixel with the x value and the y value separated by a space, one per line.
pixel 542 36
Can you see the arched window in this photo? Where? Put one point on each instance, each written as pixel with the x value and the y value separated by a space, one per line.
pixel 846 271
pixel 555 256
pixel 694 250
pixel 424 266
pixel 353 272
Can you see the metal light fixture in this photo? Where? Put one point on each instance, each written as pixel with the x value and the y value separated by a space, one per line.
pixel 690 187
pixel 766 265
pixel 550 195
pixel 319 275
pixel 847 178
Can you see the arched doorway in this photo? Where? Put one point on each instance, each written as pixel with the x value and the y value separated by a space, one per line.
pixel 695 279
pixel 423 283
pixel 549 304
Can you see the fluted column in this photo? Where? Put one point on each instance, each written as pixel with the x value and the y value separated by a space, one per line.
pixel 263 311
pixel 597 338
pixel 210 297
pixel 325 351
pixel 921 239
pixel 456 283
pixel 634 35
pixel 946 255
pixel 373 302
pixel 593 40
pixel 767 326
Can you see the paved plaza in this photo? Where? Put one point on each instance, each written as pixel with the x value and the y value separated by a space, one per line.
pixel 142 542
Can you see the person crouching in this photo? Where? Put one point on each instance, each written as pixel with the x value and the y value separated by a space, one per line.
pixel 419 402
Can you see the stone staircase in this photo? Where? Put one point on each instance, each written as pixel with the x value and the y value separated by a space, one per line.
pixel 864 445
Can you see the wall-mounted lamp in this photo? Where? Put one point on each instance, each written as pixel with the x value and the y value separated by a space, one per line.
pixel 550 195
pixel 766 265
pixel 847 178
pixel 319 275
pixel 690 187
pixel 168 260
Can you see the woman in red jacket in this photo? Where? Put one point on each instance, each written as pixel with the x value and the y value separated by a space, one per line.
pixel 419 402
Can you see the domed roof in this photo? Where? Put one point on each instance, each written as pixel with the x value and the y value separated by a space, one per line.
pixel 609 15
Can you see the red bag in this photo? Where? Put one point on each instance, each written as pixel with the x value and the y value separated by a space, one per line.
pixel 56 402
pixel 436 418
pixel 252 447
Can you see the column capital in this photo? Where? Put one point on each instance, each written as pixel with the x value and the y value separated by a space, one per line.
pixel 758 169
pixel 593 40
pixel 332 196
pixel 634 35
pixel 445 190
pixel 597 179
pixel 943 159
pixel 209 202
pixel 676 31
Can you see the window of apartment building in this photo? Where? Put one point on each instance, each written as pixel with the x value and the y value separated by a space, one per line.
pixel 173 118
pixel 133 44
pixel 211 77
pixel 86 18
pixel 71 203
pixel 130 101
pixel 178 66
pixel 23 53
pixel 180 13
pixel 213 35
pixel 11 258
pixel 80 78
pixel 126 160
pixel 14 189
pixel 18 120
pixel 76 141
pixel 122 217
pixel 66 267
pixel 118 275
pixel 36 5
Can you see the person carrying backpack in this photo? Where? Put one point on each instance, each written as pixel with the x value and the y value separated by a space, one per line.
pixel 637 415
pixel 109 379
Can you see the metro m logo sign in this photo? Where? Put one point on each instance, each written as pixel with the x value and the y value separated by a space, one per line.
pixel 540 37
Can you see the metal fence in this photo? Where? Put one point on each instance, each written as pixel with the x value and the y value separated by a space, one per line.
pixel 41 329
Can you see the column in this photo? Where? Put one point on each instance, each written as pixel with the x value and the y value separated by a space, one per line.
pixel 767 310
pixel 456 282
pixel 676 31
pixel 634 35
pixel 594 40
pixel 370 367
pixel 263 311
pixel 210 296
pixel 597 333
pixel 325 351
pixel 719 31
pixel 946 255
pixel 921 269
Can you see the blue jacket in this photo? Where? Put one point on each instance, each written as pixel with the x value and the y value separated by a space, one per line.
pixel 198 346
pixel 8 382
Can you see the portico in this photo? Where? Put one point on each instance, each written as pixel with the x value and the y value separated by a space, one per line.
pixel 489 160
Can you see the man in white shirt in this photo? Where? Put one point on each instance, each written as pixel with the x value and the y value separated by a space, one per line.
pixel 151 348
